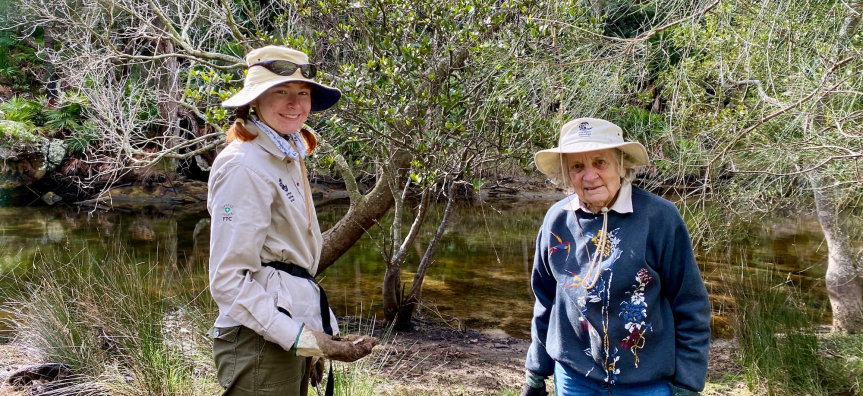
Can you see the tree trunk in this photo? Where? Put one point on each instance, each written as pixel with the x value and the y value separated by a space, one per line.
pixel 52 92
pixel 844 279
pixel 403 314
pixel 361 216
pixel 392 294
pixel 168 91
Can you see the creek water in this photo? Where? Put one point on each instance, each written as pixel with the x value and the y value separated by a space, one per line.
pixel 480 277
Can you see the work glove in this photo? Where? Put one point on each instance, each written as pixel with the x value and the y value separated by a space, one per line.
pixel 531 391
pixel 344 349
pixel 677 391
pixel 317 374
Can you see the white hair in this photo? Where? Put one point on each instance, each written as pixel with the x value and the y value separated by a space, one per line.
pixel 628 170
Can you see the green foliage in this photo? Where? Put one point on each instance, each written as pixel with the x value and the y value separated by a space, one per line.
pixel 69 115
pixel 20 110
pixel 26 120
pixel 82 137
pixel 16 61
pixel 399 94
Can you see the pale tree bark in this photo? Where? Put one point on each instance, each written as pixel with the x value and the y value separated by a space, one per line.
pixel 393 289
pixel 168 86
pixel 844 276
pixel 844 279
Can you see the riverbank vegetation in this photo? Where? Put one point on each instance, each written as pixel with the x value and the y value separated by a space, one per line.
pixel 745 108
pixel 783 349
pixel 121 323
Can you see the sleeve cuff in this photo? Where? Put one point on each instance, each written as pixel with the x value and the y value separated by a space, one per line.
pixel 283 331
pixel 534 380
pixel 297 341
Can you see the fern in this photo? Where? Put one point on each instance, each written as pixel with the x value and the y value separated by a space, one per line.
pixel 84 136
pixel 20 110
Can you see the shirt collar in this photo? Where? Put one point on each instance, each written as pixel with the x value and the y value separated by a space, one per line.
pixel 623 203
pixel 264 141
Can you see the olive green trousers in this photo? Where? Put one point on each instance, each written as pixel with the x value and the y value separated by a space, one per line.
pixel 248 365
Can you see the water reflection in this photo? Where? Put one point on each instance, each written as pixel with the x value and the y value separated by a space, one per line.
pixel 480 275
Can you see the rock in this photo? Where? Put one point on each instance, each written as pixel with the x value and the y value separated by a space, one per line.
pixel 24 161
pixel 50 198
pixel 322 194
pixel 25 377
pixel 163 196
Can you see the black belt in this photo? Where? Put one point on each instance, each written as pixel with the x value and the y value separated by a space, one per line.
pixel 301 272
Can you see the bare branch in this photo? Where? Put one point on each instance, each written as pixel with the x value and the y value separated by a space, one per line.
pixel 781 111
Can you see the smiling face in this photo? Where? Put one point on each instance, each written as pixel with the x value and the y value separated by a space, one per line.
pixel 285 107
pixel 595 175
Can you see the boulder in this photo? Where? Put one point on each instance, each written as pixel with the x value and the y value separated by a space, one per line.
pixel 23 162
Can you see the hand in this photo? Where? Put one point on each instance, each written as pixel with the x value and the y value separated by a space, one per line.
pixel 677 391
pixel 317 374
pixel 344 349
pixel 530 391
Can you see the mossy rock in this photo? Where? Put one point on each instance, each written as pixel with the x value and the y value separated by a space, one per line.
pixel 23 163
pixel 14 133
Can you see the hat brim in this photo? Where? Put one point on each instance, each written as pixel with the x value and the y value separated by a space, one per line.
pixel 323 97
pixel 549 161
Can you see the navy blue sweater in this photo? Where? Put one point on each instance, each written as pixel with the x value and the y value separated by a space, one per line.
pixel 646 319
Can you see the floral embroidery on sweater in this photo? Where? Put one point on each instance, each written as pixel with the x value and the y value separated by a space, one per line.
pixel 634 312
pixel 601 293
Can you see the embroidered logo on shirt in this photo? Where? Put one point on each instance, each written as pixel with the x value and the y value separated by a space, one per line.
pixel 285 189
pixel 228 212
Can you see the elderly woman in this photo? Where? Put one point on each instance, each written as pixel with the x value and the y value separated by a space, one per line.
pixel 265 241
pixel 621 308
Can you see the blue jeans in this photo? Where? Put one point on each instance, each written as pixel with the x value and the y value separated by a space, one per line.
pixel 571 383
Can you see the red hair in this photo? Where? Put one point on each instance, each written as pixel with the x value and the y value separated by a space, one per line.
pixel 238 130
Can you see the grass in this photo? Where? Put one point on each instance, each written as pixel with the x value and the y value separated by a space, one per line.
pixel 131 328
pixel 781 351
pixel 122 328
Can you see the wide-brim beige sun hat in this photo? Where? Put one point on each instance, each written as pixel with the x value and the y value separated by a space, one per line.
pixel 588 134
pixel 259 79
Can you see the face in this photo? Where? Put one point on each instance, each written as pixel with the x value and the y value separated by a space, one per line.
pixel 595 176
pixel 285 107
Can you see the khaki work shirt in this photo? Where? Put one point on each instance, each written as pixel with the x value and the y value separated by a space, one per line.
pixel 258 214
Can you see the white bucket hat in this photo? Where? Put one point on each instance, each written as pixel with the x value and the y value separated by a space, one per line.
pixel 588 134
pixel 259 78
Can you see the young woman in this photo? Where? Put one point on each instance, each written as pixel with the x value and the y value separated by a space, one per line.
pixel 265 240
